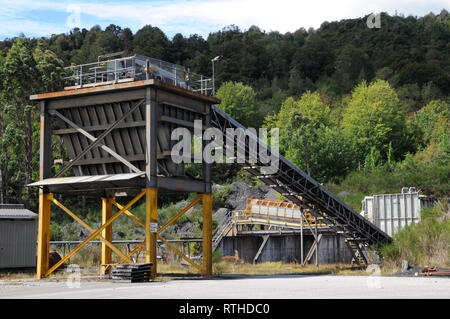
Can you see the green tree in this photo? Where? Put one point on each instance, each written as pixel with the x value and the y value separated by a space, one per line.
pixel 24 71
pixel 240 102
pixel 433 121
pixel 49 67
pixel 300 142
pixel 324 152
pixel 19 82
pixel 310 104
pixel 352 65
pixel 152 42
pixel 310 138
pixel 373 159
pixel 374 117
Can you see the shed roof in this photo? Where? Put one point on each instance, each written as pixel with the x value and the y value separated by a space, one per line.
pixel 16 211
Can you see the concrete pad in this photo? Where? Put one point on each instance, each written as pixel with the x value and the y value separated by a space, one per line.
pixel 241 287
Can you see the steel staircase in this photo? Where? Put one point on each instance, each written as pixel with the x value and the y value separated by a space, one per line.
pixel 221 231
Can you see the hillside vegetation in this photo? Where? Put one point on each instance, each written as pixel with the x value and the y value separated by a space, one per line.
pixel 426 243
pixel 363 110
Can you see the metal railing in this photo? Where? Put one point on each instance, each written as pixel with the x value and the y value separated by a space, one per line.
pixel 222 230
pixel 67 244
pixel 134 68
pixel 268 216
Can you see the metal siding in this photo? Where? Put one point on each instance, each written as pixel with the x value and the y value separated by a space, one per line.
pixel 391 212
pixel 93 112
pixel 18 243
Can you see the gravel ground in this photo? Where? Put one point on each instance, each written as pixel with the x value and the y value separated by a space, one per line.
pixel 241 287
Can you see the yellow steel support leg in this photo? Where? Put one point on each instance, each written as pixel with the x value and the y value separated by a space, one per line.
pixel 107 234
pixel 151 217
pixel 43 235
pixel 95 233
pixel 207 234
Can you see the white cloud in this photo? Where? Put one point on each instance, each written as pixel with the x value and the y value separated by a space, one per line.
pixel 281 15
pixel 201 16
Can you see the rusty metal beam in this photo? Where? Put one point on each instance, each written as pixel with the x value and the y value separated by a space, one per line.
pixel 98 128
pixel 103 160
pixel 76 101
pixel 151 135
pixel 173 120
pixel 124 86
pixel 45 152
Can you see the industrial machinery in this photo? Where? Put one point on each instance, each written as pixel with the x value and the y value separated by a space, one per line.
pixel 275 213
pixel 115 120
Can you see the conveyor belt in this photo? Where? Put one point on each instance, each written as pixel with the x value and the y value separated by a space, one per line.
pixel 300 188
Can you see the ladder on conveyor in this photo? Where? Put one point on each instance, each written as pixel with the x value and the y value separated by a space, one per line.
pixel 301 189
pixel 358 250
pixel 222 230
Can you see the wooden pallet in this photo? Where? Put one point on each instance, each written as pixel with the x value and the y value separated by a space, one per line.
pixel 131 273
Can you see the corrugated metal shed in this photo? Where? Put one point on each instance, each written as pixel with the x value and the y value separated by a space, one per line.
pixel 18 234
pixel 16 211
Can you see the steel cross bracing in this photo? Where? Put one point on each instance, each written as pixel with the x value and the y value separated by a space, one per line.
pixel 302 189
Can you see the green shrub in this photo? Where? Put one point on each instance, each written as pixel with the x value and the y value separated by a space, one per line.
pixel 220 196
pixel 424 243
pixel 56 232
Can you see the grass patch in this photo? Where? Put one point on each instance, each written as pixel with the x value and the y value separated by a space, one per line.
pixel 426 243
pixel 231 266
pixel 172 268
pixel 354 200
pixel 17 274
pixel 273 268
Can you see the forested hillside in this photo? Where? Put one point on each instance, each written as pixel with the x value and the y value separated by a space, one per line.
pixel 364 110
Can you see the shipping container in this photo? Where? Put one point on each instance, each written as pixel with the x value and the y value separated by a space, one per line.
pixel 391 212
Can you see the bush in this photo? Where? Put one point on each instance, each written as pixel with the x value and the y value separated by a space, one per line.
pixel 431 177
pixel 217 255
pixel 88 256
pixel 220 196
pixel 56 232
pixel 426 243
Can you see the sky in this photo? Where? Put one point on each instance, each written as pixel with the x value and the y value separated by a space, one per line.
pixel 44 18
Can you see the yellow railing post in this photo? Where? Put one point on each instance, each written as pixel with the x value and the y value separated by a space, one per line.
pixel 207 234
pixel 151 218
pixel 107 234
pixel 43 246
